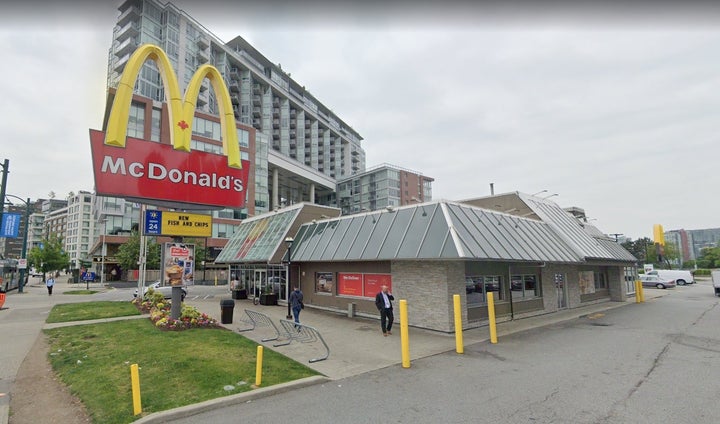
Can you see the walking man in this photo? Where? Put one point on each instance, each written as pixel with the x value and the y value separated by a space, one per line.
pixel 383 301
pixel 50 282
pixel 296 302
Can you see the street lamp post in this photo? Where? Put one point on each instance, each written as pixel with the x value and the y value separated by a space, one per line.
pixel 23 253
pixel 289 242
pixel 102 254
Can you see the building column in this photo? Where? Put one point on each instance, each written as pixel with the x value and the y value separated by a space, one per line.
pixel 275 191
pixel 312 193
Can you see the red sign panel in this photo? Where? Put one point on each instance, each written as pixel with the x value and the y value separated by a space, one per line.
pixel 373 282
pixel 148 170
pixel 350 284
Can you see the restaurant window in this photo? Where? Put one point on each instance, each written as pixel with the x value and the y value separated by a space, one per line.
pixel 524 286
pixel 478 286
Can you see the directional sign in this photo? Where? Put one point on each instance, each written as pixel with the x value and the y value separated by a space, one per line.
pixel 88 276
pixel 177 224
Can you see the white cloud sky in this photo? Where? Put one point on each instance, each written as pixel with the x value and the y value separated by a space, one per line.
pixel 616 110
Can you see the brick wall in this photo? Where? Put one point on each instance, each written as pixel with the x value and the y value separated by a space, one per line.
pixel 428 288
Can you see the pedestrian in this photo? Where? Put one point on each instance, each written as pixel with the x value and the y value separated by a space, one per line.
pixel 383 301
pixel 50 282
pixel 296 302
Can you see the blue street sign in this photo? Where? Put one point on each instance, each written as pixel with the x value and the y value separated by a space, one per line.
pixel 152 222
pixel 10 226
pixel 88 276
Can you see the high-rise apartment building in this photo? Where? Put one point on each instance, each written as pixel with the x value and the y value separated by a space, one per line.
pixel 691 242
pixel 308 147
pixel 380 187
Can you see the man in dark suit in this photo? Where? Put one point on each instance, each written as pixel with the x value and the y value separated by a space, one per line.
pixel 383 301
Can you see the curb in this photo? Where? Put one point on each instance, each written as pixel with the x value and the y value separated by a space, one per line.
pixel 240 398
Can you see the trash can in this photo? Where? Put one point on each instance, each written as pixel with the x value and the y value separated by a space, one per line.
pixel 226 311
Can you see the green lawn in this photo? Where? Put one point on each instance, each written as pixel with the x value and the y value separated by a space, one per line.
pixel 83 291
pixel 176 368
pixel 90 310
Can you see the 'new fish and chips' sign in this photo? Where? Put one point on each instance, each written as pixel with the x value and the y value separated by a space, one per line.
pixel 137 169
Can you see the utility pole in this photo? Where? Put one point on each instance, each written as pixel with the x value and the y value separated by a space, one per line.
pixel 5 170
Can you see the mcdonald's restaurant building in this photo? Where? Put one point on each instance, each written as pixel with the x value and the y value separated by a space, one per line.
pixel 537 260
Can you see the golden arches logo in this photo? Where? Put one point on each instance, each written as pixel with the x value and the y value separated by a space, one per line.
pixel 180 110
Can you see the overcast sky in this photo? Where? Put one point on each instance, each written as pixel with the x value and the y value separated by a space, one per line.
pixel 615 109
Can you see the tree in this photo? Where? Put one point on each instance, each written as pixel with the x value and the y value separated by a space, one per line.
pixel 51 257
pixel 128 253
pixel 643 249
pixel 709 258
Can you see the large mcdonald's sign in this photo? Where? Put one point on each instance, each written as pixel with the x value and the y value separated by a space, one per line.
pixel 141 170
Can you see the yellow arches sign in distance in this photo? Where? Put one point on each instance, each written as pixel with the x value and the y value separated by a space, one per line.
pixel 130 168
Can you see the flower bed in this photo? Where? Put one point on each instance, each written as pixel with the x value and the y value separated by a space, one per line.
pixel 159 310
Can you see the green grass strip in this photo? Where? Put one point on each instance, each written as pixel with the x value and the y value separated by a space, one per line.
pixel 90 310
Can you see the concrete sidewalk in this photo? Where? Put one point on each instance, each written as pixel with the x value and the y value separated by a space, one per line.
pixel 21 321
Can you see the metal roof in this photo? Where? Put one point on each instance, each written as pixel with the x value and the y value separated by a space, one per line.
pixel 436 230
pixel 589 242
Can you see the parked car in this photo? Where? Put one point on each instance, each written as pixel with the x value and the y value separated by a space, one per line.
pixel 649 280
pixel 680 276
pixel 165 290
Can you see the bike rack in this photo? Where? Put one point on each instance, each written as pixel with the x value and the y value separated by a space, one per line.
pixel 257 319
pixel 303 334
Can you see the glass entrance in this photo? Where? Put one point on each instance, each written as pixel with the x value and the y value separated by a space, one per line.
pixel 259 282
pixel 561 289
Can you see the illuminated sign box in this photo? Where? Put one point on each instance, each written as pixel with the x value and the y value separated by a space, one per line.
pixel 167 223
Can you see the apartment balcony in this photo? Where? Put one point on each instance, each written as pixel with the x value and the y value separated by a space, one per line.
pixel 130 30
pixel 204 86
pixel 355 153
pixel 276 111
pixel 234 86
pixel 132 13
pixel 256 113
pixel 257 88
pixel 203 56
pixel 202 101
pixel 276 102
pixel 293 113
pixel 276 123
pixel 276 136
pixel 120 64
pixel 257 101
pixel 203 41
pixel 126 47
pixel 307 133
pixel 235 98
pixel 256 122
pixel 234 73
pixel 293 123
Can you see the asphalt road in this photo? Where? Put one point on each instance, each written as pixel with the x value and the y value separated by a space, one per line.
pixel 655 363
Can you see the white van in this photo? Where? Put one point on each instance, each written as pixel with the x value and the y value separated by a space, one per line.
pixel 680 276
pixel 716 282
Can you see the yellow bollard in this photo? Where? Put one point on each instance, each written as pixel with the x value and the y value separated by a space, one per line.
pixel 135 382
pixel 459 348
pixel 642 293
pixel 491 317
pixel 637 291
pixel 404 342
pixel 258 367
